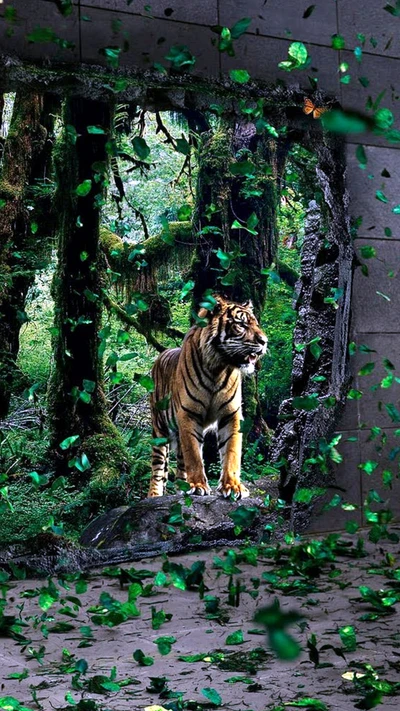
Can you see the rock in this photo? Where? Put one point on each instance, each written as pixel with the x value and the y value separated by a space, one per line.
pixel 149 528
pixel 168 525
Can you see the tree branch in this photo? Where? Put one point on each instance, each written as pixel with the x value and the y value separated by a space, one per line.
pixel 112 305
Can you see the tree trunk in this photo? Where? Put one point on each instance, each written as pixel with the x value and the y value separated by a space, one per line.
pixel 21 246
pixel 76 399
pixel 225 199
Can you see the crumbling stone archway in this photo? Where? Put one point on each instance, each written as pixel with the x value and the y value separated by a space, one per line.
pixel 319 385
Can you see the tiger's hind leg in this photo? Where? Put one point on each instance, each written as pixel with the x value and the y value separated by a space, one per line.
pixel 159 469
pixel 180 468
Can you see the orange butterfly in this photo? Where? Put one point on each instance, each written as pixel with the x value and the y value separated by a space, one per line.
pixel 310 108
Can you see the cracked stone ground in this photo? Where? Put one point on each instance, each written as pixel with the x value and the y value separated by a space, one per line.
pixel 62 651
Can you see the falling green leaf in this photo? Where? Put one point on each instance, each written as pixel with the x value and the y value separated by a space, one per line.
pixel 84 188
pixel 275 620
pixel 140 147
pixel 180 57
pixel 367 368
pixel 240 27
pixel 306 402
pixel 361 155
pixel 381 196
pixel 240 76
pixel 68 442
pixel 308 11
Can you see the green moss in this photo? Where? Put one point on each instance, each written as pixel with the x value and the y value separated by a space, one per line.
pixel 9 191
pixel 110 241
pixel 108 457
pixel 33 510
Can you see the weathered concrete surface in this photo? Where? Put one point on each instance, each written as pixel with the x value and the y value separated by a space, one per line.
pixel 332 602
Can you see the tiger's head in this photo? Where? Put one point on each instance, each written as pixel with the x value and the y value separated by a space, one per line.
pixel 235 334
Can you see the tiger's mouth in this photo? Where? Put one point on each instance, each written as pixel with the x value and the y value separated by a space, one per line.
pixel 252 358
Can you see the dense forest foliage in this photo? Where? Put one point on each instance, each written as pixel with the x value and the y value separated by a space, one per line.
pixel 87 325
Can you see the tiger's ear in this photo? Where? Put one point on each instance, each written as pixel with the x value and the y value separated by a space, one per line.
pixel 248 305
pixel 212 308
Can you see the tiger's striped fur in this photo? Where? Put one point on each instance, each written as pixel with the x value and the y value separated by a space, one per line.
pixel 197 387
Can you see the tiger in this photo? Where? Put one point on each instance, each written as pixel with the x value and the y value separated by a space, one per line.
pixel 198 387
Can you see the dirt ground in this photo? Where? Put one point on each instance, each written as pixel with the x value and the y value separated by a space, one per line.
pixel 60 650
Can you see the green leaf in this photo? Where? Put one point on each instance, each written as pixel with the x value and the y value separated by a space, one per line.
pixel 159 617
pixel 42 35
pixel 240 76
pixel 367 368
pixel 240 27
pixel 384 119
pixel 308 11
pixel 348 638
pixel 186 289
pixel 393 412
pixel 39 479
pixel 243 516
pixel 69 441
pixel 306 402
pixel 180 57
pixel 183 146
pixel 284 646
pixel 147 382
pixel 84 188
pixel 164 644
pixel 112 55
pixel 140 147
pixel 244 167
pixel 340 121
pixel 184 212
pixel 305 495
pixel 276 621
pixel 368 467
pixel 157 442
pixel 89 386
pixel 212 696
pixel 141 658
pixel 235 638
pixel 354 394
pixel 395 11
pixel 367 252
pixel 381 196
pixel 308 703
pixel 298 51
pixel 396 210
pixel 95 130
pixel 338 42
pixel 163 404
pixel 361 155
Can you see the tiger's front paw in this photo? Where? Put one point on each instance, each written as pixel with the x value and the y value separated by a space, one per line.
pixel 232 487
pixel 199 488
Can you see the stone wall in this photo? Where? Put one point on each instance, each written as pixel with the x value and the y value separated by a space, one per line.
pixel 148 34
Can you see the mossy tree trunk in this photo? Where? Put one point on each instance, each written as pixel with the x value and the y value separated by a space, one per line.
pixel 22 247
pixel 237 194
pixel 76 398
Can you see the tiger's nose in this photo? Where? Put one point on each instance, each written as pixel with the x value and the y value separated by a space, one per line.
pixel 260 338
